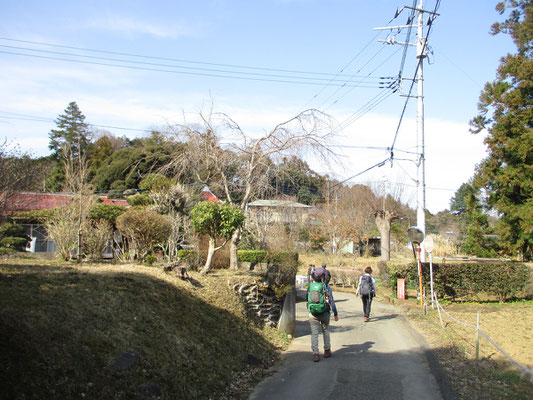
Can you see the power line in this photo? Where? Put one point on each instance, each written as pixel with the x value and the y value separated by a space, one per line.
pixel 23 117
pixel 165 65
pixel 168 59
pixel 346 66
pixel 170 71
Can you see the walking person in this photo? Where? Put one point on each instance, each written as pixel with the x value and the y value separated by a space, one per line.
pixel 320 303
pixel 367 289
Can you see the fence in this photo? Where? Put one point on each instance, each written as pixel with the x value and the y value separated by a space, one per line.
pixel 525 371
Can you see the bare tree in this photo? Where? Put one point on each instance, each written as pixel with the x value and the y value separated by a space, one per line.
pixel 76 169
pixel 174 202
pixel 386 205
pixel 241 168
pixel 17 173
pixel 345 214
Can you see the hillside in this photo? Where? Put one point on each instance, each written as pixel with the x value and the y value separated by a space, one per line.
pixel 64 328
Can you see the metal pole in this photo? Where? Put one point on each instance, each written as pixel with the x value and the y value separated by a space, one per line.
pixel 421 171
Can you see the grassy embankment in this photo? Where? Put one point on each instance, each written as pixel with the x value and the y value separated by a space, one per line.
pixel 62 328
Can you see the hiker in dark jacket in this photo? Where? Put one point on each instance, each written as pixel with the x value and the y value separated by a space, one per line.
pixel 367 289
pixel 320 303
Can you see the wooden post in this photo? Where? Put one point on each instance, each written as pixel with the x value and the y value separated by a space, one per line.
pixel 477 337
pixel 420 276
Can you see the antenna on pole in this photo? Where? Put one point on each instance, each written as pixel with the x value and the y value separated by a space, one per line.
pixel 421 50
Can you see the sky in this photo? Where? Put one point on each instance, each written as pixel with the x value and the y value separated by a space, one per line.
pixel 132 66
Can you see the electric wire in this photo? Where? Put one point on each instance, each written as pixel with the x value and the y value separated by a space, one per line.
pixel 166 58
pixel 169 71
pixel 58 53
pixel 418 66
pixel 353 87
pixel 345 66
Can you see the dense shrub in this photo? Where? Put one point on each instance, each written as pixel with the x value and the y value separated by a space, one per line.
pixel 391 272
pixel 501 279
pixel 106 212
pixel 252 256
pixel 144 229
pixel 192 257
pixel 13 237
pixel 463 280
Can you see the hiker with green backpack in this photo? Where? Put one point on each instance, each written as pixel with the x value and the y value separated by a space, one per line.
pixel 320 303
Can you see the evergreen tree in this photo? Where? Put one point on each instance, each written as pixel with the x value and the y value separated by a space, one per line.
pixel 72 133
pixel 476 227
pixel 506 113
pixel 68 142
pixel 458 201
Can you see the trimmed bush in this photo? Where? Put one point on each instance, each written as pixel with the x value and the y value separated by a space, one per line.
pixel 252 256
pixel 12 236
pixel 463 280
pixel 501 279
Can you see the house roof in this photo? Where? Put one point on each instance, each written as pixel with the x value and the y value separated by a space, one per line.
pixel 117 202
pixel 277 203
pixel 28 201
pixel 207 195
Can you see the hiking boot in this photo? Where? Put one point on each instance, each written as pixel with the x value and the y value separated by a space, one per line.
pixel 316 357
pixel 327 353
pixel 366 319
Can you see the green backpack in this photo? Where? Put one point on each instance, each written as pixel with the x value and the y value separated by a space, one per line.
pixel 317 298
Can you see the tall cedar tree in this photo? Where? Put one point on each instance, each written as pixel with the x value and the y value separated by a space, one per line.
pixel 68 142
pixel 506 113
pixel 72 131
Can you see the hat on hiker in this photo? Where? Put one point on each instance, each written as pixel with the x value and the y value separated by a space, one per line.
pixel 324 265
pixel 318 272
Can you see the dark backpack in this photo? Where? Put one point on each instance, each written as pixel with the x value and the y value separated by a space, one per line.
pixel 366 285
pixel 317 298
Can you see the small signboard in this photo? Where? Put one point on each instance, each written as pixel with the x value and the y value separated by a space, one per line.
pixel 401 289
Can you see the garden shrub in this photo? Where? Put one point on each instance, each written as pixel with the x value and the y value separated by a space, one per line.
pixel 106 212
pixel 12 236
pixel 145 229
pixel 391 272
pixel 192 257
pixel 252 256
pixel 500 279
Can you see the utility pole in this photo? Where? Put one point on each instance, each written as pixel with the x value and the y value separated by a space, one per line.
pixel 421 175
pixel 421 50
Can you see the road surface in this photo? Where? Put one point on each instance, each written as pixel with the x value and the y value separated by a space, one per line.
pixel 380 359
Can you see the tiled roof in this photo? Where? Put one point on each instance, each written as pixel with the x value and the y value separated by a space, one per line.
pixel 37 201
pixel 207 195
pixel 26 201
pixel 277 203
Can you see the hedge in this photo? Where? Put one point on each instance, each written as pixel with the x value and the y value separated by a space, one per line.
pixel 501 279
pixel 252 256
pixel 191 255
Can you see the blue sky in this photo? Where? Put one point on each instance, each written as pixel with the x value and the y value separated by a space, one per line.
pixel 268 40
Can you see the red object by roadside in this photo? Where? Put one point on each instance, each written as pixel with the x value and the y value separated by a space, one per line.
pixel 401 289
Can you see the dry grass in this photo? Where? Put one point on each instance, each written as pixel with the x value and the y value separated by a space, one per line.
pixel 62 326
pixel 492 376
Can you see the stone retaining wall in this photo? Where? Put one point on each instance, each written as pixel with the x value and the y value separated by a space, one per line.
pixel 261 302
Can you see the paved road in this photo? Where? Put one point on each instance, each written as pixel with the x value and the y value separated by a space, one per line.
pixel 380 359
